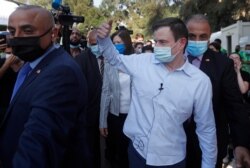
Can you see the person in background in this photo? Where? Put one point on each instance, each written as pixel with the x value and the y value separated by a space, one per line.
pixel 139 37
pixel 214 46
pixel 92 45
pixel 9 68
pixel 75 39
pixel 237 49
pixel 149 43
pixel 243 77
pixel 88 61
pixel 166 91
pixel 147 49
pixel 227 100
pixel 44 124
pixel 115 103
pixel 138 47
pixel 245 58
pixel 223 51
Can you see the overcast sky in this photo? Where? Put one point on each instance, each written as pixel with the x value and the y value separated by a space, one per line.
pixel 97 2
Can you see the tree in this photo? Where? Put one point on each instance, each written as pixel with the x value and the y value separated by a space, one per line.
pixel 139 15
pixel 221 13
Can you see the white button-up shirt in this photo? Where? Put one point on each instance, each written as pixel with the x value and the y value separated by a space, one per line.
pixel 161 102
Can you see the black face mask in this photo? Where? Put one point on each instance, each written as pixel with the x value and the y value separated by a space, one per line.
pixel 27 48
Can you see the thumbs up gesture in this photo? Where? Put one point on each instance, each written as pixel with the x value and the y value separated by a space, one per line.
pixel 104 29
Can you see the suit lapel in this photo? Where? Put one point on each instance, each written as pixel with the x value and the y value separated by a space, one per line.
pixel 34 73
pixel 207 64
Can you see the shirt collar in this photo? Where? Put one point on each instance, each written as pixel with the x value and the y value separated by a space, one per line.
pixel 198 57
pixel 34 63
pixel 184 67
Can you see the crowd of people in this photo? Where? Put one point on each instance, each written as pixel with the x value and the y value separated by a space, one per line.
pixel 181 102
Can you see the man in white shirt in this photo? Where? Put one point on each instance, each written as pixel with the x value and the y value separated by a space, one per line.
pixel 166 91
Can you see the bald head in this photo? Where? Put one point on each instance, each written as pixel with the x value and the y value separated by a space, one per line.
pixel 198 28
pixel 32 21
pixel 38 14
pixel 91 37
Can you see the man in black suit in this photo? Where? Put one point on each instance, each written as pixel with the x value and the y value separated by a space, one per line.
pixel 89 66
pixel 44 125
pixel 227 101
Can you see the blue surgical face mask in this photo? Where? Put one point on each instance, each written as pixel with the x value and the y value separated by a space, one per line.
pixel 120 48
pixel 163 54
pixel 197 48
pixel 247 51
pixel 95 50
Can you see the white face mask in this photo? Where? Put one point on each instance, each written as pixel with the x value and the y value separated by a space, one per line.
pixel 164 54
pixel 7 55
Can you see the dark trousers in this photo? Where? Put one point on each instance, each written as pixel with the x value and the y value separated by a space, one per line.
pixel 92 153
pixel 117 142
pixel 137 161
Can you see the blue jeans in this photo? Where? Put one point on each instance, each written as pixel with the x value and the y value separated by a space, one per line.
pixel 137 161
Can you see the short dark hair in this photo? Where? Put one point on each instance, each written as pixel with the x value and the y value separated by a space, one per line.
pixel 247 45
pixel 125 36
pixel 138 43
pixel 147 48
pixel 216 45
pixel 218 41
pixel 176 25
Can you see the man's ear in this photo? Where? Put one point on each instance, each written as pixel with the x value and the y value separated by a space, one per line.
pixel 55 32
pixel 183 42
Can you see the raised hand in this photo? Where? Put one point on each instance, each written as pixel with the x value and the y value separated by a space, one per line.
pixel 104 29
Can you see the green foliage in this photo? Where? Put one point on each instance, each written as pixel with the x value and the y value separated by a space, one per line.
pixel 93 16
pixel 44 3
pixel 221 13
pixel 139 15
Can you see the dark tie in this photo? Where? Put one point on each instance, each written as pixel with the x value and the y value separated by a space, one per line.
pixel 24 71
pixel 102 67
pixel 191 58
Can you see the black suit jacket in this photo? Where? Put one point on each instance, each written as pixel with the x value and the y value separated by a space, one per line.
pixel 229 110
pixel 227 100
pixel 89 66
pixel 44 125
pixel 7 82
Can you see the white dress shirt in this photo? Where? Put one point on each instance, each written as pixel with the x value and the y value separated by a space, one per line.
pixel 161 102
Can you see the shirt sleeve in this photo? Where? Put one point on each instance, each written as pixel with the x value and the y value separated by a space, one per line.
pixel 205 123
pixel 128 65
pixel 105 98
